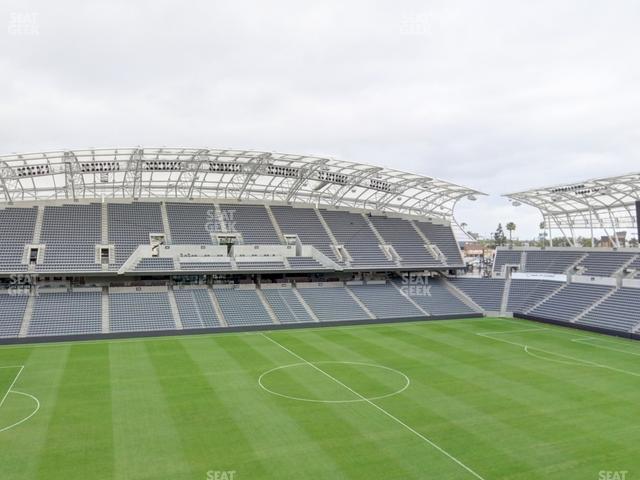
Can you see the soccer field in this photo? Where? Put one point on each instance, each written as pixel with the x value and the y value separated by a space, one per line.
pixel 456 399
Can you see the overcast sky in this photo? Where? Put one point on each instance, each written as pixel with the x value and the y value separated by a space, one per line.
pixel 498 96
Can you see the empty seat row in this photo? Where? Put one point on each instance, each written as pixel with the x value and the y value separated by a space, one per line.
pixel 551 261
pixel 155 264
pixel 433 296
pixel 506 257
pixel 486 292
pixel 195 308
pixel 620 311
pixel 66 313
pixel 525 294
pixel 242 307
pixel 286 305
pixel 405 240
pixel 12 309
pixel 604 264
pixel 442 236
pixel 352 230
pixel 128 225
pixel 385 301
pixel 332 304
pixel 140 311
pixel 570 301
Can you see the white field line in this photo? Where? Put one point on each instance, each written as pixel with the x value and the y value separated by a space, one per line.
pixel 581 338
pixel 537 329
pixel 394 418
pixel 565 362
pixel 25 418
pixel 407 382
pixel 11 390
pixel 11 386
pixel 568 357
pixel 585 341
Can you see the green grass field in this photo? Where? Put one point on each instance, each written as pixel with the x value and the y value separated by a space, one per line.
pixel 456 399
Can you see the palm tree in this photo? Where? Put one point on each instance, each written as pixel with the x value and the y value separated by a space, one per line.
pixel 511 227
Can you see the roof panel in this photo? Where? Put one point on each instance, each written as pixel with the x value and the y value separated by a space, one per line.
pixel 599 202
pixel 226 174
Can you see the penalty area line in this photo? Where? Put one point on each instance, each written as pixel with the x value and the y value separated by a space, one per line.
pixel 586 341
pixel 379 408
pixel 588 363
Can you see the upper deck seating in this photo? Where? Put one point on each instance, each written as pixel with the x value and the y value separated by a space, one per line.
pixel 16 230
pixel 252 221
pixel 551 261
pixel 351 230
pixel 506 257
pixel 604 264
pixel 405 240
pixel 192 223
pixel 70 234
pixel 130 225
pixel 442 236
pixel 304 222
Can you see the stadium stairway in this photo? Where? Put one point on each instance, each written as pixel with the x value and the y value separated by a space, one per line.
pixel 37 231
pixel 505 296
pixel 334 241
pixel 357 300
pixel 216 307
pixel 165 222
pixel 267 306
pixel 105 310
pixel 274 222
pixel 594 305
pixel 309 310
pixel 410 300
pixel 28 315
pixel 174 308
pixel 465 297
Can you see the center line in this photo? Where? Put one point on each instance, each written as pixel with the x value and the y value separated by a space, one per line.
pixel 11 386
pixel 396 419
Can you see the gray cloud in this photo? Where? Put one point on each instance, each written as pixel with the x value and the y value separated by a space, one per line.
pixel 499 96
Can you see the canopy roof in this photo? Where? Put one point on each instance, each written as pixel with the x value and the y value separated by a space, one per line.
pixel 597 203
pixel 219 174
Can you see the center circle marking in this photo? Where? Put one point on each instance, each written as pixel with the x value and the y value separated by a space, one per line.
pixel 407 382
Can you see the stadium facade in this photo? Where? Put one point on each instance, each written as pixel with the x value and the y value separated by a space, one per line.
pixel 139 241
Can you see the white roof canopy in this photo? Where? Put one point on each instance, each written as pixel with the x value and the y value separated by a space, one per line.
pixel 193 173
pixel 600 203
